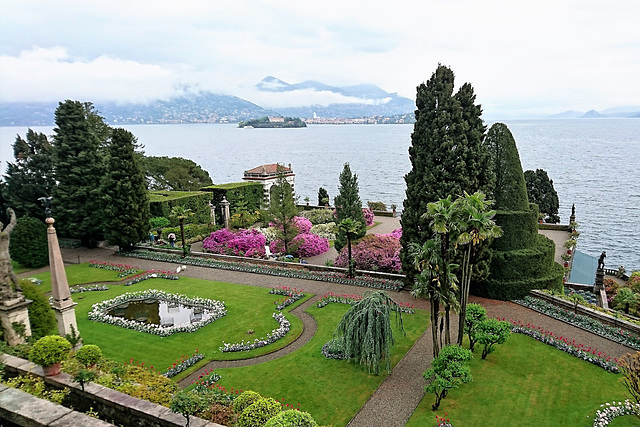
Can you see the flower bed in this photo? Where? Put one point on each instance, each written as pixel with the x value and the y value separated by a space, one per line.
pixel 89 288
pixel 611 411
pixel 125 270
pixel 562 343
pixel 183 363
pixel 98 312
pixel 296 273
pixel 581 321
pixel 271 337
pixel 206 381
pixel 291 296
pixel 151 274
pixel 331 297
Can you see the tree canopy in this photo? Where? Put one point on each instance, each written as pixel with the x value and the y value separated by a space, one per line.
pixel 282 210
pixel 541 192
pixel 349 205
pixel 174 173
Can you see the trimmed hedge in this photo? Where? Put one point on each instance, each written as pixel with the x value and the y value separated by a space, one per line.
pixel 520 229
pixel 259 412
pixel 517 289
pixel 28 245
pixel 251 193
pixel 161 203
pixel 41 316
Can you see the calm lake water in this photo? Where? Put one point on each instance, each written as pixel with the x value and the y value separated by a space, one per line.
pixel 593 163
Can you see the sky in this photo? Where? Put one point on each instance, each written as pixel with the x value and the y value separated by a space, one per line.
pixel 522 58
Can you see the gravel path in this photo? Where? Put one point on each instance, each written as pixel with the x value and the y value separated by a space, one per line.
pixel 393 403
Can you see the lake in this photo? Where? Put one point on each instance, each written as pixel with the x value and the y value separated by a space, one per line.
pixel 593 163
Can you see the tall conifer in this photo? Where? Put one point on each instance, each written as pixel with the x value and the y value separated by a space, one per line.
pixel 126 219
pixel 349 205
pixel 79 169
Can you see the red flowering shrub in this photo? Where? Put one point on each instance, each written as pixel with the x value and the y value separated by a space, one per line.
pixel 374 252
pixel 241 243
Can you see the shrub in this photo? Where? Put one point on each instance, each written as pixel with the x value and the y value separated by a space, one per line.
pixel 270 234
pixel 377 206
pixel 245 400
pixel 259 412
pixel 241 243
pixel 41 316
pixel 50 350
pixel 373 253
pixel 28 244
pixel 186 403
pixel 368 216
pixel 89 354
pixel 292 418
pixel 327 231
pixel 303 245
pixel 319 216
pixel 303 224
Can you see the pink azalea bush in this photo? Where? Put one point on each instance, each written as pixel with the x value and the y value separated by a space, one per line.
pixel 241 243
pixel 374 252
pixel 303 224
pixel 303 245
pixel 368 216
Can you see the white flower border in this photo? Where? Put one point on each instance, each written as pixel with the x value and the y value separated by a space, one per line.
pixel 606 415
pixel 99 310
pixel 272 337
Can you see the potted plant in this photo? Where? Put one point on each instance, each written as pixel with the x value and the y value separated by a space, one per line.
pixel 49 351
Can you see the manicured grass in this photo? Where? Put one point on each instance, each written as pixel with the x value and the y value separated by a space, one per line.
pixel 18 268
pixel 79 274
pixel 526 383
pixel 248 308
pixel 333 391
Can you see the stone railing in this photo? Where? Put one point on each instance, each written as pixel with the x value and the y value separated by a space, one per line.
pixel 594 314
pixel 115 407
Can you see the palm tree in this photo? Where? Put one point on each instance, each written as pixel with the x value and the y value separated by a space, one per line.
pixel 476 220
pixel 181 213
pixel 445 221
pixel 349 227
pixel 626 297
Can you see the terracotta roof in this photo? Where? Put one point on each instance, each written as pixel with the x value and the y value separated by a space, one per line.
pixel 268 169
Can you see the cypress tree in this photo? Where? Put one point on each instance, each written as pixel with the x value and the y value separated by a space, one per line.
pixel 541 192
pixel 283 210
pixel 447 153
pixel 79 170
pixel 31 175
pixel 349 205
pixel 126 219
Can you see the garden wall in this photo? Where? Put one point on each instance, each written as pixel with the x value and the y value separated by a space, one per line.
pixel 117 408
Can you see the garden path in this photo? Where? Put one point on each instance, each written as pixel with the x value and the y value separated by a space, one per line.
pixel 397 397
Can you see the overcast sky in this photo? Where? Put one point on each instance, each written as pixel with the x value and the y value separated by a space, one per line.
pixel 522 57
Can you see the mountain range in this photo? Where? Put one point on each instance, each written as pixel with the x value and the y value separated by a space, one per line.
pixel 616 112
pixel 318 100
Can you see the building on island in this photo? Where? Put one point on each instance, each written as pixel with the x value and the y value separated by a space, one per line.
pixel 268 175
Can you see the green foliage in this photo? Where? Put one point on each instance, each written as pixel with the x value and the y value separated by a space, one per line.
pixel 28 244
pixel 377 206
pixel 323 197
pixel 246 399
pixel 191 231
pixel 348 205
pixel 158 222
pixel 162 202
pixel 84 376
pixel 541 192
pixel 37 387
pixel 31 175
pixel 248 194
pixel 448 371
pixel 186 403
pixel 319 216
pixel 447 155
pixel 41 317
pixel 78 205
pixel 475 314
pixel 126 213
pixel 259 412
pixel 626 298
pixel 510 191
pixel 174 174
pixel 366 330
pixel 89 354
pixel 292 418
pixel 282 210
pixel 520 229
pixel 264 122
pixel 490 332
pixel 49 350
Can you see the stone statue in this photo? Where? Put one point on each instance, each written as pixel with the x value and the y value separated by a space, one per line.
pixel 46 202
pixel 603 255
pixel 9 287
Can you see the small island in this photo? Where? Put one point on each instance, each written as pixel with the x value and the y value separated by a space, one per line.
pixel 273 122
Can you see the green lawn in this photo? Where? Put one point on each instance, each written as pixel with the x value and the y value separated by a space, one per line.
pixel 527 383
pixel 18 268
pixel 333 391
pixel 248 308
pixel 79 274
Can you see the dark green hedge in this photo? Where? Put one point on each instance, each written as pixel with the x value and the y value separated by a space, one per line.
pixel 251 193
pixel 28 245
pixel 518 289
pixel 519 228
pixel 161 203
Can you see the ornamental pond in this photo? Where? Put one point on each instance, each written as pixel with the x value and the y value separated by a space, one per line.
pixel 159 312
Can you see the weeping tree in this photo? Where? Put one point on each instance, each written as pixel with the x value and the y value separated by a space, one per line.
pixel 365 330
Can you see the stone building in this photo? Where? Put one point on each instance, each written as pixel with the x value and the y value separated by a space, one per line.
pixel 268 175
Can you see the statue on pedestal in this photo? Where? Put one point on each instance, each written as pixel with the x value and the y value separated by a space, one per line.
pixel 603 255
pixel 9 287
